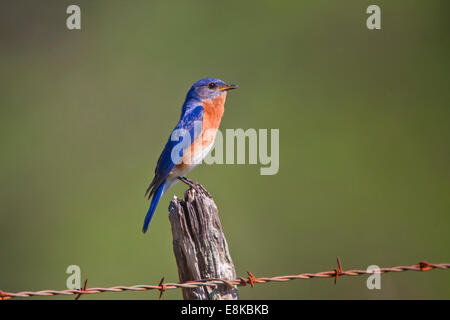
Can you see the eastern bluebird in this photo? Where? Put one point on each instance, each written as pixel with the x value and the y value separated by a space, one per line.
pixel 200 118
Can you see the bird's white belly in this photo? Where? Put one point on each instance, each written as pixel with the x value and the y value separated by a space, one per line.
pixel 190 162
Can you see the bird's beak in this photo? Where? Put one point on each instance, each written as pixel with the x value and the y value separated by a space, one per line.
pixel 226 87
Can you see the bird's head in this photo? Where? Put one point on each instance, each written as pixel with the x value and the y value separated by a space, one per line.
pixel 209 88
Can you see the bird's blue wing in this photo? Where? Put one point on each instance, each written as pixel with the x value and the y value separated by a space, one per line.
pixel 165 162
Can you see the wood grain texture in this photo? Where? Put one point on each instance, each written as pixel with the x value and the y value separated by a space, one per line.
pixel 200 247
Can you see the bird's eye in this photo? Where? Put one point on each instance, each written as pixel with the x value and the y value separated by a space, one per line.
pixel 211 85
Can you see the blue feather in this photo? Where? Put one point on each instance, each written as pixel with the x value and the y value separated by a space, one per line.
pixel 156 197
pixel 165 163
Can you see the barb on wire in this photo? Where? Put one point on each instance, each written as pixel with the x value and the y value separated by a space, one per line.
pixel 338 271
pixel 82 291
pixel 240 281
pixel 162 288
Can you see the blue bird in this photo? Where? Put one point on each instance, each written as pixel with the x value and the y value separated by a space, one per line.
pixel 191 139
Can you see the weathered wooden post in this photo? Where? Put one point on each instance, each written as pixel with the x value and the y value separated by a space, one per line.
pixel 200 247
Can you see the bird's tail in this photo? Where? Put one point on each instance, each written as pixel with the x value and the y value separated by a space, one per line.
pixel 153 204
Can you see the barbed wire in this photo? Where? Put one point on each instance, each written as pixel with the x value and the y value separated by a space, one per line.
pixel 239 281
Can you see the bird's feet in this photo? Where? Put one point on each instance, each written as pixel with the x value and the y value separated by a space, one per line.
pixel 195 185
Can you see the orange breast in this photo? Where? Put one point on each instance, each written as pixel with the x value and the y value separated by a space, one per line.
pixel 213 111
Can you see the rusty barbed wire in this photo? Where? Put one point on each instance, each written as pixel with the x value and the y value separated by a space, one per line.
pixel 239 281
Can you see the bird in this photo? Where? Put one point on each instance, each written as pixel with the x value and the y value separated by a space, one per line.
pixel 200 119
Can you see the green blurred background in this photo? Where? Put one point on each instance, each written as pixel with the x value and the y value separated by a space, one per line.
pixel 364 141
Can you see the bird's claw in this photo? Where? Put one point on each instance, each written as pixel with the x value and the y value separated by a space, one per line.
pixel 195 185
